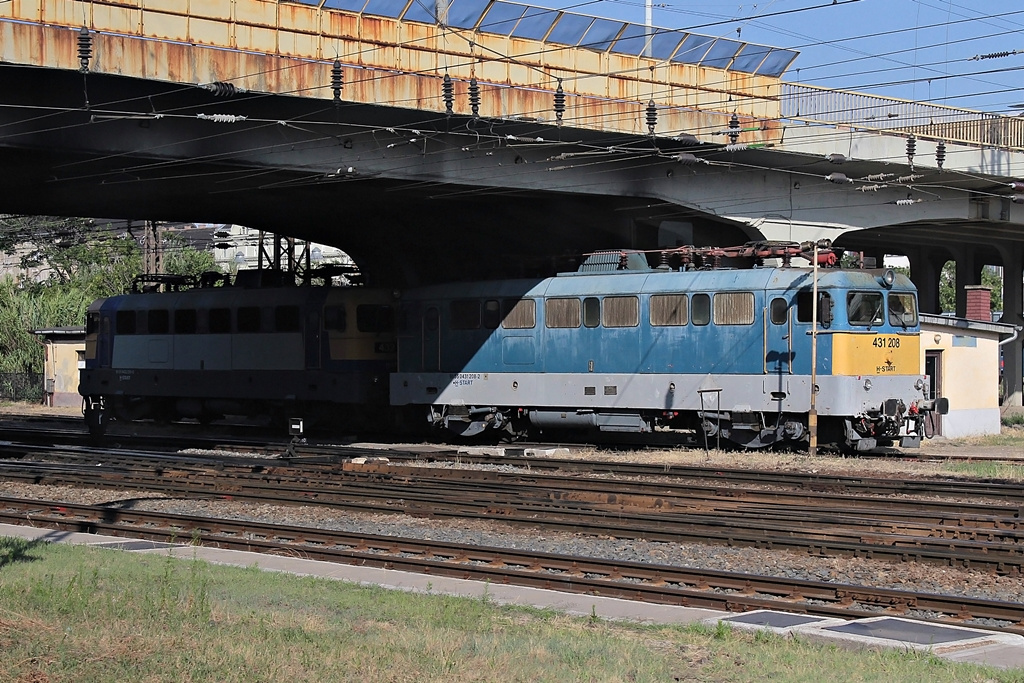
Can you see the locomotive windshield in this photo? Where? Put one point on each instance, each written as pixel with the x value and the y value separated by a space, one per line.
pixel 864 308
pixel 902 309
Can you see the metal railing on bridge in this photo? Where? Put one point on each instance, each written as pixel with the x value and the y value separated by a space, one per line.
pixel 923 119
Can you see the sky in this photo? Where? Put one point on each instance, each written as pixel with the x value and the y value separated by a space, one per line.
pixel 909 49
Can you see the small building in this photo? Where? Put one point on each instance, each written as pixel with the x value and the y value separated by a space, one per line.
pixel 961 358
pixel 64 349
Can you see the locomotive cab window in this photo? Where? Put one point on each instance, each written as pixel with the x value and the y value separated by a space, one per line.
pixel 668 309
pixel 591 311
pixel 519 314
pixel 864 308
pixel 92 322
pixel 220 320
pixel 779 311
pixel 158 321
pixel 465 314
pixel 700 309
pixel 562 313
pixel 185 321
pixel 621 311
pixel 805 310
pixel 125 322
pixel 375 318
pixel 248 319
pixel 902 309
pixel 335 318
pixel 734 308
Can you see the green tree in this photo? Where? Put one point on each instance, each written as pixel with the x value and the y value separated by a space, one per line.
pixel 947 286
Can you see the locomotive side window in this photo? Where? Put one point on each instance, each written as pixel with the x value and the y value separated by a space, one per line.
pixel 591 312
pixel 248 319
pixel 335 318
pixel 779 311
pixel 621 311
pixel 125 322
pixel 374 318
pixel 220 320
pixel 465 314
pixel 804 309
pixel 492 314
pixel 562 313
pixel 92 322
pixel 864 308
pixel 902 309
pixel 700 309
pixel 287 319
pixel 669 309
pixel 185 321
pixel 520 314
pixel 158 321
pixel 734 308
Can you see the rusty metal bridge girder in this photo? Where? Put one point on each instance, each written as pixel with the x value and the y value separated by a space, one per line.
pixel 286 48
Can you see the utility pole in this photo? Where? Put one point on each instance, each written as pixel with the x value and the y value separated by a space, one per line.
pixel 152 248
pixel 812 414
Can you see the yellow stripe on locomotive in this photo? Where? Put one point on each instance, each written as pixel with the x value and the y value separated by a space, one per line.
pixel 860 353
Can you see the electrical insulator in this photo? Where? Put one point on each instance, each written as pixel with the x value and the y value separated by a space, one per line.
pixel 1017 199
pixel 836 158
pixel 337 81
pixel 652 117
pixel 474 97
pixel 838 178
pixel 448 94
pixel 911 150
pixel 687 159
pixel 734 128
pixel 940 154
pixel 559 102
pixel 1016 186
pixel 84 49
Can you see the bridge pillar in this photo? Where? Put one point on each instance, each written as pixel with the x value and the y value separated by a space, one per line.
pixel 925 271
pixel 968 272
pixel 1013 313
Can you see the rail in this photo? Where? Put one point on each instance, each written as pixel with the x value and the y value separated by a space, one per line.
pixel 871 112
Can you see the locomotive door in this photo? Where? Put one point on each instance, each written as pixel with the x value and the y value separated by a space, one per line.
pixel 778 339
pixel 312 338
pixel 431 340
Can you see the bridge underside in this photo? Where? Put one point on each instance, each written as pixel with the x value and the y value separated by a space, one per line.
pixel 137 150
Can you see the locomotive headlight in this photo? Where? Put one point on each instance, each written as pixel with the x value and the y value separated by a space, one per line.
pixel 867 385
pixel 888 278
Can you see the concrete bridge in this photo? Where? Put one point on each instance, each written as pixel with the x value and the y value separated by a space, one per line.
pixel 486 137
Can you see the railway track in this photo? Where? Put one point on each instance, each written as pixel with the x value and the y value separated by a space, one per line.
pixel 981 536
pixel 631 580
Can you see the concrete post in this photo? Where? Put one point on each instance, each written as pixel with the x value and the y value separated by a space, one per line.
pixel 968 272
pixel 1013 313
pixel 925 269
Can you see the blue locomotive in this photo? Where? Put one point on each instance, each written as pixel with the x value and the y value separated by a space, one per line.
pixel 620 347
pixel 260 347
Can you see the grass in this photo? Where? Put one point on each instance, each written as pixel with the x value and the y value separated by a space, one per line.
pixel 84 615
